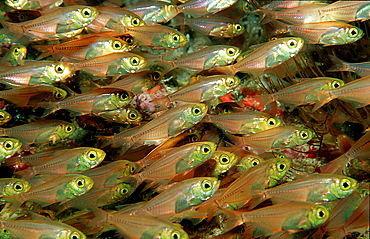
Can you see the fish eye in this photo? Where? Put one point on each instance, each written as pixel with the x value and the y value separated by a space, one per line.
pixel 321 213
pixel 303 134
pixel 124 191
pixel 18 186
pixel 345 184
pixel 132 115
pixel 58 95
pixel 196 111
pixel 135 60
pixel 2 115
pixel 353 32
pixel 59 69
pixel 230 51
pixel 16 50
pixel 124 95
pixel 206 185
pixel 336 84
pixel 117 45
pixel 255 162
pixel 175 235
pixel 80 182
pixel 132 169
pixel 75 235
pixel 8 145
pixel 271 121
pixel 280 155
pixel 238 27
pixel 86 12
pixel 292 43
pixel 69 128
pixel 156 76
pixel 135 21
pixel 224 159
pixel 205 149
pixel 92 154
pixel 230 81
pixel 281 167
pixel 176 38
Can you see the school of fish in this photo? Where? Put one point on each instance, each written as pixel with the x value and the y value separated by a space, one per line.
pixel 176 119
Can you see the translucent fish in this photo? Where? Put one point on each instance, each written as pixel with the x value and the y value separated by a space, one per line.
pixel 301 93
pixel 275 138
pixel 95 101
pixel 40 229
pixel 282 4
pixel 169 124
pixel 65 162
pixel 15 56
pixel 177 198
pixel 347 11
pixel 9 147
pixel 138 226
pixel 353 92
pixel 13 186
pixel 27 96
pixel 215 26
pixel 39 72
pixel 326 33
pixel 223 162
pixel 266 55
pixel 113 64
pixel 59 188
pixel 128 115
pixel 293 216
pixel 204 7
pixel 204 89
pixel 85 47
pixel 33 4
pixel 60 23
pixel 248 122
pixel 5 117
pixel 361 69
pixel 44 131
pixel 110 174
pixel 249 161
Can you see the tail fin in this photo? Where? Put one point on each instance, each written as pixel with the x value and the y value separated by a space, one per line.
pixel 339 65
pixel 161 103
pixel 232 220
pixel 46 50
pixel 323 98
pixel 26 174
pixel 14 28
pixel 177 21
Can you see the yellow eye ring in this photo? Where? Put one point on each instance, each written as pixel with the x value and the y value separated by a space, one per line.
pixel 230 51
pixel 175 235
pixel 123 95
pixel 18 186
pixel 224 159
pixel 86 12
pixel 255 162
pixel 321 213
pixel 271 121
pixel 69 128
pixel 281 167
pixel 92 155
pixel 336 84
pixel 196 111
pixel 132 115
pixel 207 185
pixel 124 191
pixel 59 69
pixel 238 27
pixel 205 149
pixel 292 43
pixel 75 235
pixel 230 81
pixel 135 60
pixel 345 184
pixel 304 134
pixel 135 21
pixel 80 182
pixel 117 45
pixel 176 38
pixel 8 145
pixel 353 32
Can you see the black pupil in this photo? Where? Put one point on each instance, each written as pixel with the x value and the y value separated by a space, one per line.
pixel 91 155
pixel 237 27
pixel 132 115
pixel 255 163
pixel 205 150
pixel 116 45
pixel 80 183
pixel 8 145
pixel 59 69
pixel 231 82
pixel 134 61
pixel 2 116
pixel 74 237
pixel 124 95
pixel 345 185
pixel 353 32
pixel 18 187
pixel 282 166
pixel 231 52
pixel 124 190
pixel 304 135
pixel 336 85
pixel 224 160
pixel 69 128
pixel 175 236
pixel 207 185
pixel 175 38
pixel 271 122
pixel 197 111
pixel 86 13
pixel 135 21
pixel 16 50
pixel 291 43
pixel 321 214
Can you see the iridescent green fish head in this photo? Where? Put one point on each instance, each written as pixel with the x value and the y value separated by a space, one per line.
pixel 4 117
pixel 194 113
pixel 167 232
pixel 285 48
pixel 343 186
pixel 78 185
pixel 169 40
pixel 228 54
pixel 58 94
pixel 16 4
pixel 334 84
pixel 300 137
pixel 90 158
pixel 85 15
pixel 345 35
pixel 201 153
pixel 231 82
pixel 120 192
pixel 131 21
pixel 57 71
pixel 236 29
pixel 224 161
pixel 278 170
pixel 248 162
pixel 120 99
pixel 16 55
pixel 8 147
pixel 63 131
pixel 71 234
pixel 316 216
pixel 131 64
pixel 205 188
pixel 15 186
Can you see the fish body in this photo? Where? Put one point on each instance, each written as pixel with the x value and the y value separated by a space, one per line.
pixel 86 47
pixel 43 131
pixel 33 4
pixel 361 69
pixel 66 162
pixel 40 229
pixel 203 7
pixel 247 122
pixel 60 23
pixel 266 55
pixel 223 162
pixel 35 73
pixel 113 64
pixel 347 11
pixel 278 137
pixel 95 101
pixel 128 115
